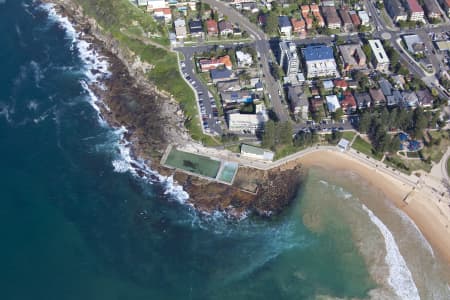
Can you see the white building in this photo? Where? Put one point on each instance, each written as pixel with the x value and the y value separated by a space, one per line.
pixel 244 59
pixel 332 103
pixel 289 60
pixel 380 58
pixel 180 28
pixel 155 4
pixel 256 153
pixel 364 17
pixel 248 123
pixel 285 27
pixel 320 61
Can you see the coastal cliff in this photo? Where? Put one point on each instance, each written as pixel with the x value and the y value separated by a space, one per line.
pixel 154 119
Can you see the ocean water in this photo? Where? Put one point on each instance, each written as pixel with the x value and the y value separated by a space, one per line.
pixel 76 223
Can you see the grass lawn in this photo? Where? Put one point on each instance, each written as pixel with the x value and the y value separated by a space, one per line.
pixel 364 147
pixel 349 135
pixel 286 150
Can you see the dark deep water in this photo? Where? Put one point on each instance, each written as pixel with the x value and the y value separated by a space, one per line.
pixel 72 227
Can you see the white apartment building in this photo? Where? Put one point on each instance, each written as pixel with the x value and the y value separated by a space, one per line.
pixel 289 60
pixel 380 59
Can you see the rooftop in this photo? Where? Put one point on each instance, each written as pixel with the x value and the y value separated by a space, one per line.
pixel 320 52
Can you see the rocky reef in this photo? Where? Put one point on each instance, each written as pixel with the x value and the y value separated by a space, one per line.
pixel 154 120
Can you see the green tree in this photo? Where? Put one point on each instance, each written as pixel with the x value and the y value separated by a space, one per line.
pixel 268 139
pixel 337 115
pixel 271 27
pixel 285 133
pixel 364 122
pixel 420 122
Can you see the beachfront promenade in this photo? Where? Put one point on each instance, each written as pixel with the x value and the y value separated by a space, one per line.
pixel 434 183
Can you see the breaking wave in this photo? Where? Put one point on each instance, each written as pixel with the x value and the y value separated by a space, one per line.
pixel 400 277
pixel 96 69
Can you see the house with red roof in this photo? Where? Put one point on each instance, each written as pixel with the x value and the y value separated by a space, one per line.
pixel 163 13
pixel 415 11
pixel 298 26
pixel 340 84
pixel 348 104
pixel 355 19
pixel 214 63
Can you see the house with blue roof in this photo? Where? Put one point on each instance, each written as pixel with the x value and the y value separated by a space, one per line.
pixel 218 75
pixel 285 27
pixel 320 62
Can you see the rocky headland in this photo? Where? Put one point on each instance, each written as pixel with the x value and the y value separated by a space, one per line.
pixel 154 120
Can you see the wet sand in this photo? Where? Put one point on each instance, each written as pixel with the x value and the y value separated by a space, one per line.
pixel 431 216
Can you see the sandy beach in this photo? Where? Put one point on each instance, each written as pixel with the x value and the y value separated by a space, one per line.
pixel 420 204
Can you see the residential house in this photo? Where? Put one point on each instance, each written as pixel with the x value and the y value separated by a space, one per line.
pixel 244 59
pixel 425 98
pixel 398 81
pixel 377 97
pixel 348 103
pixel 141 2
pixel 416 13
pixel 229 86
pixel 380 59
pixel 355 19
pixel 341 84
pixel 218 75
pixel 396 99
pixel 155 4
pixel 317 16
pixel 225 28
pixel 395 10
pixel 285 27
pixel 347 23
pixel 316 104
pixel 212 28
pixel 363 100
pixel 328 85
pixel 414 43
pixel 353 57
pixel 410 99
pixel 214 63
pixel 386 87
pixel 320 61
pixel 332 103
pixel 180 28
pixel 196 28
pixel 163 14
pixel 289 60
pixel 298 26
pixel 298 101
pixel 432 9
pixel 306 14
pixel 236 97
pixel 331 17
pixel 364 17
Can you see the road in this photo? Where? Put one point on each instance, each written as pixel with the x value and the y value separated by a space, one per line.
pixel 263 48
pixel 413 67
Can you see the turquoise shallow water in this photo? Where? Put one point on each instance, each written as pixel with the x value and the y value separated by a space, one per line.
pixel 73 228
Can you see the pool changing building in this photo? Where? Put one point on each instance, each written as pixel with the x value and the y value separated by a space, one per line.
pixel 256 153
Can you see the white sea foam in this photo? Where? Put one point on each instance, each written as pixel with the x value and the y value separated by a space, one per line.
pixel 400 278
pixel 407 220
pixel 96 68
